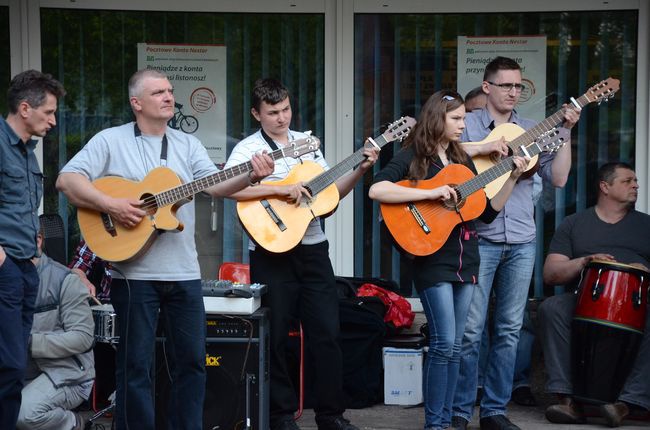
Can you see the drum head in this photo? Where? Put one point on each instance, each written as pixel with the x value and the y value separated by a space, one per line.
pixel 613 265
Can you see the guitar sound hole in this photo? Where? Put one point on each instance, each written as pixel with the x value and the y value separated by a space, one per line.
pixel 149 206
pixel 450 204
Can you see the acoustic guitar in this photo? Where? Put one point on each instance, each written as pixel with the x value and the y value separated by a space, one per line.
pixel 162 192
pixel 421 228
pixel 516 137
pixel 277 225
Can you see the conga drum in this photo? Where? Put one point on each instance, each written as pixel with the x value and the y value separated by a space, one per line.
pixel 607 328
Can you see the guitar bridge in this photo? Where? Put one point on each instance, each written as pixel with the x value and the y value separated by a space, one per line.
pixel 108 224
pixel 273 214
pixel 419 218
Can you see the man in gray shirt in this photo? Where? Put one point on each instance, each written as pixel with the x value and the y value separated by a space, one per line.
pixel 507 250
pixel 32 101
pixel 167 276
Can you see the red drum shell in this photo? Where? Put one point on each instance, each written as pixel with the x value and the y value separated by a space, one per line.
pixel 621 286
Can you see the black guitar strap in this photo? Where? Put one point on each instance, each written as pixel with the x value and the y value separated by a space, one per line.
pixel 268 139
pixel 163 148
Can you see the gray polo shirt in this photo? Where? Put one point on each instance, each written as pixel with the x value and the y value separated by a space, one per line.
pixel 21 189
pixel 117 151
pixel 515 224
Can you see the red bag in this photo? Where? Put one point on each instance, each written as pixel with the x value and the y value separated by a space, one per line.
pixel 398 309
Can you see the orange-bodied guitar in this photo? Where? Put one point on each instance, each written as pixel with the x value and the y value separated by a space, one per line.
pixel 163 193
pixel 421 228
pixel 278 225
pixel 516 137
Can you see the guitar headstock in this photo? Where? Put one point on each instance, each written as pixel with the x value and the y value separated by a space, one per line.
pixel 399 129
pixel 602 91
pixel 299 147
pixel 549 141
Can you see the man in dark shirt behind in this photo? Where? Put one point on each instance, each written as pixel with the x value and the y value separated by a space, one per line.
pixel 32 101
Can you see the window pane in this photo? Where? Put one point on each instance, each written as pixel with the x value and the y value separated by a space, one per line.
pixel 400 60
pixel 94 53
pixel 5 68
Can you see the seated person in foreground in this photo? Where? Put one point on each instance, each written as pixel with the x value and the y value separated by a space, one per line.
pixel 61 369
pixel 610 231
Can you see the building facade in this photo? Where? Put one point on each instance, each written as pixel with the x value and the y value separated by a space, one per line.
pixel 352 66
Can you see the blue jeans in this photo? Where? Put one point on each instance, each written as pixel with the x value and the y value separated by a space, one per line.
pixel 183 317
pixel 507 269
pixel 521 377
pixel 445 306
pixel 18 289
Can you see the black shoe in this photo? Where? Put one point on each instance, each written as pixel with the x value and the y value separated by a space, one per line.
pixel 284 423
pixel 497 422
pixel 459 423
pixel 335 422
pixel 565 412
pixel 614 413
pixel 523 396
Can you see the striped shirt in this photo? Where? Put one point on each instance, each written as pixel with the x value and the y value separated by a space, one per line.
pixel 254 144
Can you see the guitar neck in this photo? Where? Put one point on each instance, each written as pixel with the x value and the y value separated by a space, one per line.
pixel 325 179
pixel 185 191
pixel 547 124
pixel 501 168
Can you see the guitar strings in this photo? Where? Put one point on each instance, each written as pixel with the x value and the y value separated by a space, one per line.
pixel 150 203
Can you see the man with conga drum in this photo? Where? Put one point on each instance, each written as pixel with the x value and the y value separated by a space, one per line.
pixel 603 254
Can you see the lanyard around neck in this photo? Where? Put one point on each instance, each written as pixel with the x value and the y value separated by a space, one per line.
pixel 163 148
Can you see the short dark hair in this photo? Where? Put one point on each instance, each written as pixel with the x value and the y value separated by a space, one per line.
pixel 499 63
pixel 32 86
pixel 478 91
pixel 268 90
pixel 607 172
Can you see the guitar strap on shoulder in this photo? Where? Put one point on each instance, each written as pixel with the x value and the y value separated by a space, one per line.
pixel 268 139
pixel 163 148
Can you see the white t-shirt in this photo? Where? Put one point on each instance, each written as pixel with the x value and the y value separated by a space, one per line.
pixel 254 144
pixel 117 151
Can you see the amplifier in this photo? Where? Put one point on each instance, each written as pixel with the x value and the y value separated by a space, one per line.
pixel 237 370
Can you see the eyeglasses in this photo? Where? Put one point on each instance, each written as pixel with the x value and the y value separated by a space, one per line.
pixel 507 87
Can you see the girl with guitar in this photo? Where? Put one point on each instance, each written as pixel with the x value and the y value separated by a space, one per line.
pixel 444 279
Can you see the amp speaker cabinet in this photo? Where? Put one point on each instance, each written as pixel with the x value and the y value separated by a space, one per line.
pixel 237 366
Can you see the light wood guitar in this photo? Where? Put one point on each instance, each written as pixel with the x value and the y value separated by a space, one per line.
pixel 516 137
pixel 277 225
pixel 163 192
pixel 421 228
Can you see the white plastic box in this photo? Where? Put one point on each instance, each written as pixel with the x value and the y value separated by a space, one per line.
pixel 402 376
pixel 231 305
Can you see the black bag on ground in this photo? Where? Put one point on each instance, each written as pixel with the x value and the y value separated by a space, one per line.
pixel 362 333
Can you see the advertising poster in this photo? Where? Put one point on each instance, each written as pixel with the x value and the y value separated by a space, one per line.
pixel 529 51
pixel 198 74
